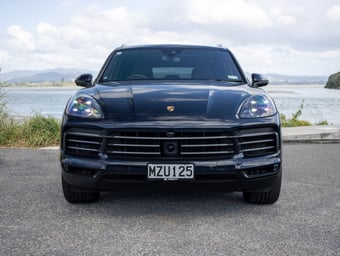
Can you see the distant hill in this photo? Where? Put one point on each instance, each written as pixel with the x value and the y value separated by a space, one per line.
pixel 67 74
pixel 333 81
pixel 36 76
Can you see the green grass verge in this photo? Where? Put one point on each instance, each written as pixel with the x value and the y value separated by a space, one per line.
pixel 37 131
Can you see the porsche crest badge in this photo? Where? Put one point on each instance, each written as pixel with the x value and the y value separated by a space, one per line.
pixel 170 108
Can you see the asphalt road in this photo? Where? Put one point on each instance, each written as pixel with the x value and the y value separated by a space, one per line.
pixel 36 220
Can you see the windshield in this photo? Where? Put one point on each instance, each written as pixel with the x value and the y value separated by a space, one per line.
pixel 171 64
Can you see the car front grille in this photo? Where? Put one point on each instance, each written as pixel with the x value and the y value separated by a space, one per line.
pixel 83 143
pixel 171 145
pixel 254 143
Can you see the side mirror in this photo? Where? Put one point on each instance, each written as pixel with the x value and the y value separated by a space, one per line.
pixel 84 80
pixel 258 80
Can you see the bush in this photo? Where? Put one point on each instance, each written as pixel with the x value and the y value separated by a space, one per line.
pixel 324 122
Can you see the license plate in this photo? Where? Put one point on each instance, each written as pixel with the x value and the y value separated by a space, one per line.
pixel 170 171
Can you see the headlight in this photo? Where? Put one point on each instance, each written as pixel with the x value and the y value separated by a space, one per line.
pixel 84 106
pixel 257 106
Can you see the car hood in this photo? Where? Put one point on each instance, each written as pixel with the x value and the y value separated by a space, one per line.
pixel 171 99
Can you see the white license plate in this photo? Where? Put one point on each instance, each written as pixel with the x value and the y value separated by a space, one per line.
pixel 170 171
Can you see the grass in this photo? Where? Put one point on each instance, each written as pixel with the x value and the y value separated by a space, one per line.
pixel 37 131
pixel 40 131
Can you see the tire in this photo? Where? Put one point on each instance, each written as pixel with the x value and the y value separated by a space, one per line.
pixel 265 197
pixel 73 196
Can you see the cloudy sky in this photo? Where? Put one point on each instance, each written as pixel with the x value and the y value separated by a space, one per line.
pixel 293 37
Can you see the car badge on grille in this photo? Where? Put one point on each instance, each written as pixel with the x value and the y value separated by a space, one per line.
pixel 170 108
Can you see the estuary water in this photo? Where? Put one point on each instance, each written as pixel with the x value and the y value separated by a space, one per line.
pixel 318 103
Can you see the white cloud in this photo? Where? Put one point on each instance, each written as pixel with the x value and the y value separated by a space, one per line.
pixel 45 28
pixel 281 18
pixel 46 37
pixel 82 42
pixel 233 12
pixel 334 13
pixel 21 38
pixel 107 28
pixel 286 60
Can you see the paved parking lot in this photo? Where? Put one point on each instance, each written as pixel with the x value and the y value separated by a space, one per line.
pixel 36 220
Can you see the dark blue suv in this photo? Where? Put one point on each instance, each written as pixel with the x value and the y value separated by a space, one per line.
pixel 171 114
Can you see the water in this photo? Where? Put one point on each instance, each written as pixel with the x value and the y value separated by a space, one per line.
pixel 22 102
pixel 319 103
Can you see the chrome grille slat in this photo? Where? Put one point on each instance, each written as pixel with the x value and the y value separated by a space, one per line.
pixel 256 141
pixel 134 153
pixel 133 145
pixel 207 153
pixel 85 134
pixel 170 138
pixel 84 141
pixel 206 145
pixel 84 149
pixel 256 134
pixel 255 149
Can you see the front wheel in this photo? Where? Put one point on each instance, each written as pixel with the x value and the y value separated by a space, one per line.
pixel 269 197
pixel 74 196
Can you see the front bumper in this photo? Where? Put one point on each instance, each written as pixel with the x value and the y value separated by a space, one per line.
pixel 236 174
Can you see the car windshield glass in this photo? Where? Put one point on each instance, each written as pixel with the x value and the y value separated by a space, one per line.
pixel 171 64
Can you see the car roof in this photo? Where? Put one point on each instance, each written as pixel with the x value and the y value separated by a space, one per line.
pixel 164 46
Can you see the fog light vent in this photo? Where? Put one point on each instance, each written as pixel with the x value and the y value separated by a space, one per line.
pixel 260 171
pixel 82 171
